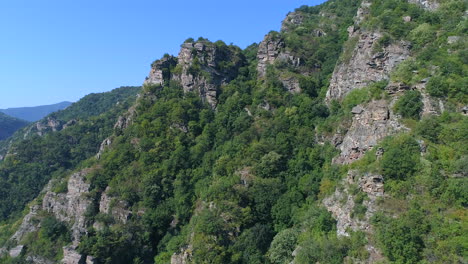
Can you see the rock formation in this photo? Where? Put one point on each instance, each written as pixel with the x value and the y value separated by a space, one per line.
pixel 430 5
pixel 200 67
pixel 371 123
pixel 342 203
pixel 160 70
pixel 366 65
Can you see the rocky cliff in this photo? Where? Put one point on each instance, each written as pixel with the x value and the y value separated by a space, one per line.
pixel 366 64
pixel 201 67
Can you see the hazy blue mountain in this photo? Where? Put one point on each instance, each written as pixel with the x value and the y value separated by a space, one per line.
pixel 8 125
pixel 36 112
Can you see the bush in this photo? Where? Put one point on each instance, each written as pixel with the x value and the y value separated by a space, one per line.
pixel 409 105
pixel 401 158
pixel 437 87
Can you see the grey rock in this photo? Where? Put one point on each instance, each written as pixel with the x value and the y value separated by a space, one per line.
pixel 293 19
pixel 125 120
pixel 104 145
pixel 430 5
pixel 38 260
pixel 28 225
pixel 16 251
pixel 183 257
pixel 453 39
pixel 159 70
pixel 375 122
pixel 341 205
pixel 71 256
pixel 117 209
pixel 90 260
pixel 357 110
pixel 47 125
pixel 70 207
pixel 365 66
pixel 208 56
pixel 431 105
pixel 407 19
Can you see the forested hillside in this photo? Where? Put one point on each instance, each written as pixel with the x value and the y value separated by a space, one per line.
pixel 8 125
pixel 340 139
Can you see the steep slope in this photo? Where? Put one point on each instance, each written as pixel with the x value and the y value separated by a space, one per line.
pixel 34 113
pixel 8 125
pixel 340 139
pixel 52 146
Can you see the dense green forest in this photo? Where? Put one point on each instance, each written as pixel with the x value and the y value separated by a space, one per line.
pixel 8 125
pixel 245 182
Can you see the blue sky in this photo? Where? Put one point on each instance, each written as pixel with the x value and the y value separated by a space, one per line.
pixel 58 50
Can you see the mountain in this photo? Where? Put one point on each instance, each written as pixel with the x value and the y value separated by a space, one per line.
pixel 8 125
pixel 340 139
pixel 36 112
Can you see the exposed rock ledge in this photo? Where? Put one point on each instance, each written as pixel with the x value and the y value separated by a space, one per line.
pixel 341 204
pixel 365 66
pixel 371 123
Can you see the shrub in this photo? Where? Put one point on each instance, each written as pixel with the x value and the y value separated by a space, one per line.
pixel 409 105
pixel 401 158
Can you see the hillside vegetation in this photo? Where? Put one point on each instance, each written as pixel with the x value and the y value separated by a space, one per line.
pixel 242 156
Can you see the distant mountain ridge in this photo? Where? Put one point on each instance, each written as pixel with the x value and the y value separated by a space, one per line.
pixel 35 113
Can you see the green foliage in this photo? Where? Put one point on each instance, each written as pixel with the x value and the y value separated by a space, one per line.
pixel 243 183
pixel 38 159
pixel 8 125
pixel 402 239
pixel 401 158
pixel 409 105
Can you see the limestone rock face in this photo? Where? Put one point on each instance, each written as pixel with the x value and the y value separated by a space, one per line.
pixel 16 251
pixel 272 50
pixel 430 5
pixel 366 65
pixel 342 203
pixel 125 120
pixel 183 257
pixel 28 225
pixel 202 68
pixel 70 207
pixel 160 70
pixel 71 256
pixel 291 20
pixel 118 210
pixel 371 123
pixel 50 124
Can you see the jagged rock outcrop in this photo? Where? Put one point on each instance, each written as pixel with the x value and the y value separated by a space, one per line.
pixel 272 50
pixel 104 145
pixel 366 65
pixel 71 256
pixel 183 257
pixel 125 120
pixel 371 123
pixel 160 70
pixel 28 224
pixel 293 19
pixel 431 105
pixel 49 124
pixel 203 67
pixel 117 209
pixel 430 5
pixel 70 207
pixel 342 203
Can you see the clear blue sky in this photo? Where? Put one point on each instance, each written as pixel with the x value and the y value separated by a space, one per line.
pixel 58 50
